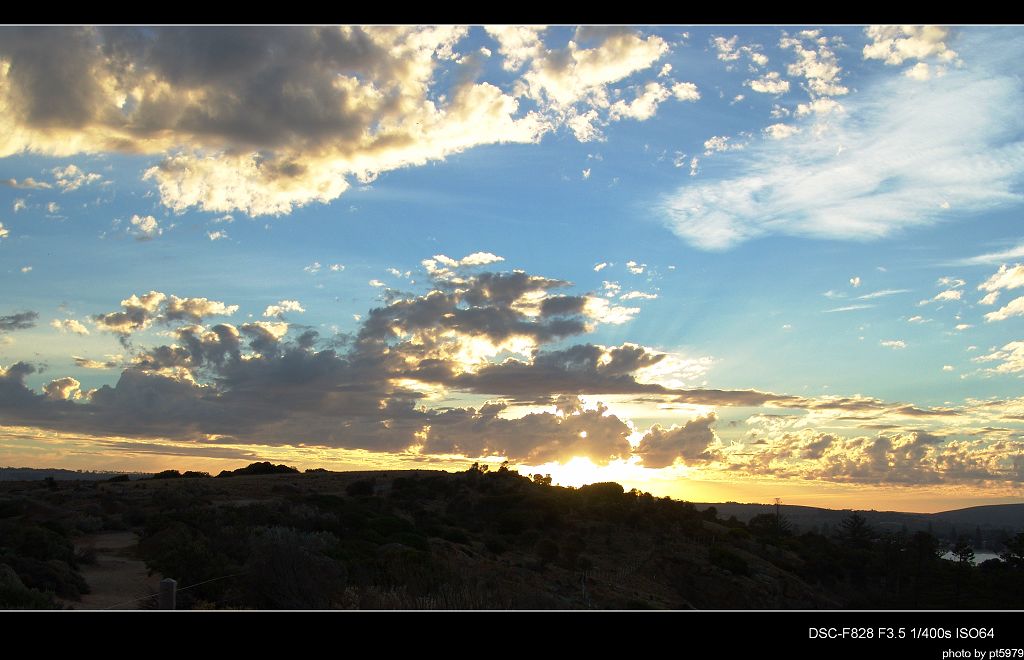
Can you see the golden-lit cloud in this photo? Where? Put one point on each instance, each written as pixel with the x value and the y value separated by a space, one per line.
pixel 264 119
pixel 69 325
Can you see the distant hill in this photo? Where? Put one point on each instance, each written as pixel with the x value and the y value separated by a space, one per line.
pixel 809 518
pixel 997 515
pixel 38 474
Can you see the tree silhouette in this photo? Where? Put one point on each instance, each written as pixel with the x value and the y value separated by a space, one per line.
pixel 964 557
pixel 963 552
pixel 1014 552
pixel 923 549
pixel 769 525
pixel 855 531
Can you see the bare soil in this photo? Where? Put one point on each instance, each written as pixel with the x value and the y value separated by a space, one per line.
pixel 118 579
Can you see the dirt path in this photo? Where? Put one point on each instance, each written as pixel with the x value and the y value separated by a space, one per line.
pixel 118 577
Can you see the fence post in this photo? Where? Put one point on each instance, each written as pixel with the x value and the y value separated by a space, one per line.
pixel 168 587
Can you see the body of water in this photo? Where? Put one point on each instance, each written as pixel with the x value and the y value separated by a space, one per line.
pixel 979 556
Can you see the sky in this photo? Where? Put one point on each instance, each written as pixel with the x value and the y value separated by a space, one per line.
pixel 710 262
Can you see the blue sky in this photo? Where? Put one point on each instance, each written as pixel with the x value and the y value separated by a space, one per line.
pixel 805 239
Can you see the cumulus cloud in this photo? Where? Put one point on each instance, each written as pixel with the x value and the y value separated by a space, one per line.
pixel 283 306
pixel 894 44
pixel 693 443
pixel 816 62
pixel 1004 278
pixel 729 50
pixel 140 312
pixel 444 267
pixel 517 44
pixel 922 71
pixel 686 91
pixel 62 389
pixel 18 321
pixel 601 310
pixel 822 106
pixel 4 232
pixel 872 173
pixel 781 131
pixel 496 334
pixel 264 119
pixel 206 384
pixel 769 83
pixel 145 228
pixel 1014 308
pixel 216 235
pixel 70 177
pixel 720 143
pixel 726 47
pixel 948 295
pixel 855 282
pixel 893 343
pixel 644 106
pixel 27 183
pixel 601 266
pixel 901 457
pixel 562 77
pixel 69 325
pixel 635 268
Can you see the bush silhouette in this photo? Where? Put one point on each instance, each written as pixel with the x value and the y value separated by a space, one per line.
pixel 729 561
pixel 288 569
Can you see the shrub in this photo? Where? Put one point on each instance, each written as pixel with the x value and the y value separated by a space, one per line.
pixel 288 569
pixel 264 467
pixel 729 561
pixel 361 488
pixel 15 595
pixel 546 550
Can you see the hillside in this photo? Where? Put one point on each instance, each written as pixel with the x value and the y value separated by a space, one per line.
pixel 991 519
pixel 435 540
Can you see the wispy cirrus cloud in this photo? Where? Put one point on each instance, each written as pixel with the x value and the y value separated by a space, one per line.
pixel 904 153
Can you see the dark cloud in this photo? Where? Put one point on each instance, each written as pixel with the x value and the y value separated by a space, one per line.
pixel 18 321
pixel 88 363
pixel 693 443
pixel 266 382
pixel 264 119
pixel 903 457
pixel 580 369
pixel 140 312
pixel 534 438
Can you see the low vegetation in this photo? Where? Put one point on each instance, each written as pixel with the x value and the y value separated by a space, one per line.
pixel 270 537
